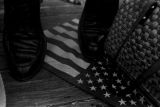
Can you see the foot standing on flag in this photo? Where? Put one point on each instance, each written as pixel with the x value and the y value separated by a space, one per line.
pixel 95 21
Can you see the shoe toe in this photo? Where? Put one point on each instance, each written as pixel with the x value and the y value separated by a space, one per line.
pixel 25 56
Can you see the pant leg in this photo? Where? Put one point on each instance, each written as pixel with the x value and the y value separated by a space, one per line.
pixel 21 13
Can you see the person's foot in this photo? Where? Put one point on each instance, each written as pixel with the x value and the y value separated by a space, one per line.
pixel 24 41
pixel 95 22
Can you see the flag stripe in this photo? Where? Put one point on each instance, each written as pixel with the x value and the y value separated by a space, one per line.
pixel 60 52
pixel 75 21
pixel 64 35
pixel 65 61
pixel 71 26
pixel 62 67
pixel 64 47
pixel 68 42
pixel 72 34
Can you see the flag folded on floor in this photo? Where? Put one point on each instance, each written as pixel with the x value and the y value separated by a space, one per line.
pixel 132 43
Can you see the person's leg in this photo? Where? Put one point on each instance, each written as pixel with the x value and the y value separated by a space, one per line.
pixel 96 19
pixel 24 41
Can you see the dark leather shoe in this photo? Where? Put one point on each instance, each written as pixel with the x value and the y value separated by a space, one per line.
pixel 24 41
pixel 95 21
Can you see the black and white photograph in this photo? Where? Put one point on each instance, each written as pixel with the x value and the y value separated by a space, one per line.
pixel 79 53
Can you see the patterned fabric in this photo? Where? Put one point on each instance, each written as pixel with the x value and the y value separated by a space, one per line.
pixel 124 21
pixel 136 47
pixel 141 51
pixel 111 85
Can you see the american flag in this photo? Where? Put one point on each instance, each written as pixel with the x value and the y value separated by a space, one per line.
pixel 101 79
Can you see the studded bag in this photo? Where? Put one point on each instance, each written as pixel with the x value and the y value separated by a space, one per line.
pixel 133 45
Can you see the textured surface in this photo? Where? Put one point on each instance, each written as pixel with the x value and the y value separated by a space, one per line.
pixel 124 21
pixel 137 44
pixel 141 51
pixel 112 85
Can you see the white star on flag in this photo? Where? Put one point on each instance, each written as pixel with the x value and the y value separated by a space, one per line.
pixel 103 87
pixel 96 74
pixel 93 88
pixel 93 68
pixel 122 87
pixel 87 75
pixel 118 81
pixel 133 102
pixel 102 68
pixel 90 81
pixel 80 81
pixel 122 102
pixel 100 80
pixel 114 74
pixel 105 74
pixel 107 94
pixel 142 100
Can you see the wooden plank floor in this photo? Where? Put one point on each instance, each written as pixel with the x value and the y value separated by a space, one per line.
pixel 46 90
